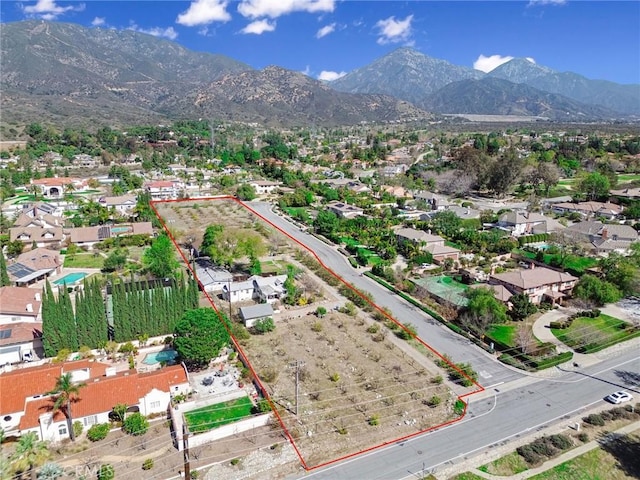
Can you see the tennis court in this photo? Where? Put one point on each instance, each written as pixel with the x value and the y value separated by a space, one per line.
pixel 445 288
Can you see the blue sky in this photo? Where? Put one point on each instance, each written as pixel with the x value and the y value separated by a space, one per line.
pixel 326 38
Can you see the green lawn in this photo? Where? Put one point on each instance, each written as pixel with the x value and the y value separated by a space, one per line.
pixel 593 465
pixel 293 211
pixel 213 416
pixel 503 333
pixel 84 260
pixel 510 464
pixel 572 262
pixel 589 335
pixel 349 242
pixel 270 266
pixel 467 476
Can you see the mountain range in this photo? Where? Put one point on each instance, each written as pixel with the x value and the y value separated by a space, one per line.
pixel 71 75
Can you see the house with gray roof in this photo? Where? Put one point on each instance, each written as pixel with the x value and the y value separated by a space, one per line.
pixel 527 223
pixel 605 238
pixel 254 313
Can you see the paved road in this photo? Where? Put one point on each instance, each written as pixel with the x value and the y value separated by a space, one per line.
pixel 494 417
pixel 490 371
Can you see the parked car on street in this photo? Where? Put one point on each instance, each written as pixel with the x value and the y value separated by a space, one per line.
pixel 619 397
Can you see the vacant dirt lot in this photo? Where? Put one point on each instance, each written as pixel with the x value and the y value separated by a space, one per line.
pixel 356 388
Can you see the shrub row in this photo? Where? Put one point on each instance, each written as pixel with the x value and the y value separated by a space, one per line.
pixel 529 363
pixel 617 413
pixel 538 237
pixel 543 448
pixel 561 325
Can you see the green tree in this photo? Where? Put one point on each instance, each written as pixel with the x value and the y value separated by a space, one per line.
pixel 326 223
pixel 200 335
pixel 621 272
pixel 522 306
pixel 115 261
pixel 594 186
pixel 30 453
pixel 483 303
pixel 120 412
pixel 160 258
pixel 4 276
pixel 246 192
pixel 264 325
pixel 601 292
pixel 64 394
pixel 135 424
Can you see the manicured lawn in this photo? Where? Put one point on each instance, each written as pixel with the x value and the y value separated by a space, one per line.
pixel 595 464
pixel 503 333
pixel 213 416
pixel 270 266
pixel 293 211
pixel 628 177
pixel 594 334
pixel 572 262
pixel 84 260
pixel 349 242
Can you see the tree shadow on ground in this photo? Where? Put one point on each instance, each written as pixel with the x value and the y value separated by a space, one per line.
pixel 624 448
pixel 629 378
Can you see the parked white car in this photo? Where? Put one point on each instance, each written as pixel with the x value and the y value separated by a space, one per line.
pixel 619 397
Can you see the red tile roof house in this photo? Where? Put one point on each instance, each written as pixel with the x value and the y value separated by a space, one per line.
pixel 20 324
pixel 163 189
pixel 56 187
pixel 538 283
pixel 26 407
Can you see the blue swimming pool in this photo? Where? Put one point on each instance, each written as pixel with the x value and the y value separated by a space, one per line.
pixel 120 229
pixel 168 356
pixel 70 278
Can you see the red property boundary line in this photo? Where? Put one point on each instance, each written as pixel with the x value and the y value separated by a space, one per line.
pixel 246 361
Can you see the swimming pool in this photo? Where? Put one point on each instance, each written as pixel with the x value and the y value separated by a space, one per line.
pixel 70 278
pixel 168 356
pixel 120 229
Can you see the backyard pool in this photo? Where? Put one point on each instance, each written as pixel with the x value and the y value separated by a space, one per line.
pixel 120 229
pixel 168 356
pixel 70 278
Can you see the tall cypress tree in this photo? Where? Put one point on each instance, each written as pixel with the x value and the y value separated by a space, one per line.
pixel 51 338
pixel 82 315
pixel 4 276
pixel 68 330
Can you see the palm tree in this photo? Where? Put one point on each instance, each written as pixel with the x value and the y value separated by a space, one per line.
pixel 65 393
pixel 30 453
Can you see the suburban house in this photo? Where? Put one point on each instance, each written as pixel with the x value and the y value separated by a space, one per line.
pixel 397 191
pixel 344 210
pixel 38 209
pixel 211 277
pixel 89 236
pixel 261 289
pixel 254 313
pixel 527 223
pixel 605 238
pixel 626 193
pixel 539 283
pixel 34 265
pixel 606 210
pixel 433 200
pixel 41 236
pixel 20 324
pixel 123 204
pixel 426 242
pixel 26 406
pixel 58 186
pixel 163 189
pixel 264 187
pixel 499 291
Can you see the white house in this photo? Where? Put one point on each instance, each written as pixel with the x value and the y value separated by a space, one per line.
pixel 27 407
pixel 264 187
pixel 251 314
pixel 122 204
pixel 163 189
pixel 239 291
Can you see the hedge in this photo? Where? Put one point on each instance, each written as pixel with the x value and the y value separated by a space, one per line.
pixel 538 237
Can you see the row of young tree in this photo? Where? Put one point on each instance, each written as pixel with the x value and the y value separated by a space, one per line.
pixel 138 310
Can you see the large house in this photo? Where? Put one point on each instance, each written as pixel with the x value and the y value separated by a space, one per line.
pixel 27 407
pixel 605 238
pixel 539 283
pixel 426 242
pixel 260 289
pixel 264 187
pixel 526 223
pixel 34 265
pixel 344 210
pixel 89 236
pixel 40 236
pixel 123 204
pixel 606 210
pixel 433 200
pixel 163 189
pixel 56 187
pixel 20 324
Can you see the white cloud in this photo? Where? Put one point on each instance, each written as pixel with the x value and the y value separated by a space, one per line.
pixel 306 71
pixel 168 32
pixel 49 10
pixel 486 64
pixel 394 31
pixel 326 30
pixel 277 8
pixel 531 59
pixel 329 76
pixel 540 3
pixel 98 21
pixel 204 12
pixel 259 27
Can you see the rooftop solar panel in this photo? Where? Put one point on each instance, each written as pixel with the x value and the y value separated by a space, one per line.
pixel 4 334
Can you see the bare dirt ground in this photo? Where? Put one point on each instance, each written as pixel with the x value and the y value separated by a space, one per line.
pixel 356 388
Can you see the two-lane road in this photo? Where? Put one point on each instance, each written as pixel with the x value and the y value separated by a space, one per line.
pixel 440 338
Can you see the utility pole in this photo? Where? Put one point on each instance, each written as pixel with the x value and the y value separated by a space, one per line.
pixel 185 439
pixel 297 364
